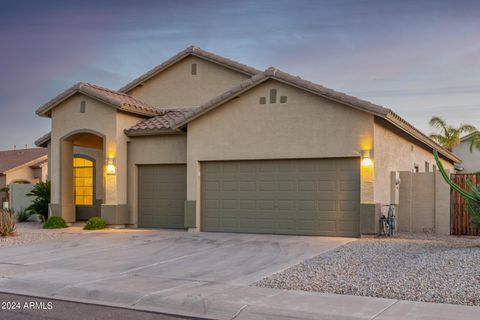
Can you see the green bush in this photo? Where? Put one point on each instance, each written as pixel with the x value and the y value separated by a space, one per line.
pixel 7 222
pixel 55 223
pixel 95 223
pixel 23 215
pixel 41 192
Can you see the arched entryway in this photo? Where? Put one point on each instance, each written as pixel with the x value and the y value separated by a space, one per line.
pixel 81 171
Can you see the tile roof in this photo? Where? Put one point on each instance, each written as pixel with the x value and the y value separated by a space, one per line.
pixel 116 99
pixel 160 124
pixel 191 51
pixel 10 159
pixel 273 73
pixel 43 140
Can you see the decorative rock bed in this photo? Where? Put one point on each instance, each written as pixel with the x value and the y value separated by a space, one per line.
pixel 29 232
pixel 415 267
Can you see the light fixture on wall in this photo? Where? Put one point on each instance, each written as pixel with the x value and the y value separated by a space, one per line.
pixel 366 159
pixel 111 167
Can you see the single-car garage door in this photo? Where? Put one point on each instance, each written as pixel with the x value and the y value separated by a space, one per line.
pixel 303 197
pixel 162 191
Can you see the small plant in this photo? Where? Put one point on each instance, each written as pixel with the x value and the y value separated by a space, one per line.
pixel 23 215
pixel 7 223
pixel 55 222
pixel 95 223
pixel 41 192
pixel 472 198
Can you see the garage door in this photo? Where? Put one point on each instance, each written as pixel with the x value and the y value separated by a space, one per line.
pixel 303 197
pixel 162 191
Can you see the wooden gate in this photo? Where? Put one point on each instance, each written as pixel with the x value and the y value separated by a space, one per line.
pixel 460 220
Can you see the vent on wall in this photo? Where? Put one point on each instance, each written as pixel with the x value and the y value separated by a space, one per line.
pixel 83 106
pixel 273 95
pixel 194 68
pixel 273 98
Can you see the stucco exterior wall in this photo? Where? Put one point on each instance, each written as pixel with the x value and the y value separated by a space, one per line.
pixel 307 126
pixel 24 173
pixel 177 87
pixel 424 204
pixel 101 120
pixel 393 152
pixel 124 121
pixel 166 149
pixel 66 118
pixel 470 160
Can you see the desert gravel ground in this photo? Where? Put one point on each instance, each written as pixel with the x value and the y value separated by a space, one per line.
pixel 29 232
pixel 414 267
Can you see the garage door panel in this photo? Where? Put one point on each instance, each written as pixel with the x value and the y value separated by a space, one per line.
pixel 162 191
pixel 327 226
pixel 311 197
pixel 326 205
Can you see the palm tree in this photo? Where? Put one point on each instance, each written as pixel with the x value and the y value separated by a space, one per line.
pixel 449 136
pixel 475 141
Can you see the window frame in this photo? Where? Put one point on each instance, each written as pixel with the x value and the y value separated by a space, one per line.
pixel 93 167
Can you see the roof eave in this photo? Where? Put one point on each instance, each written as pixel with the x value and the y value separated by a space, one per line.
pixel 393 119
pixel 150 132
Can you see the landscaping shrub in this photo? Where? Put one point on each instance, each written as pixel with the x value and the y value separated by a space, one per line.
pixel 55 223
pixel 7 223
pixel 23 215
pixel 95 223
pixel 41 192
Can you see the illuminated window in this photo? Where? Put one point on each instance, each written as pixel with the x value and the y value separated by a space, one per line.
pixel 83 181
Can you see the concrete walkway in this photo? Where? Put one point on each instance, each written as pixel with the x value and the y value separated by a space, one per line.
pixel 192 274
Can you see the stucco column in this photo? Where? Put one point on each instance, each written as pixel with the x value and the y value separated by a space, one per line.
pixel 367 179
pixel 114 209
pixel 66 181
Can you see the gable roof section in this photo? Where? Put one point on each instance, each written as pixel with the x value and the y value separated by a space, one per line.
pixel 191 51
pixel 115 99
pixel 363 105
pixel 11 159
pixel 162 124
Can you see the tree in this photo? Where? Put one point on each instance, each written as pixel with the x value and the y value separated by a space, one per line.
pixel 41 192
pixel 449 136
pixel 475 141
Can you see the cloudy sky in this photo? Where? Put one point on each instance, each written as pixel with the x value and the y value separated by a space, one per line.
pixel 420 58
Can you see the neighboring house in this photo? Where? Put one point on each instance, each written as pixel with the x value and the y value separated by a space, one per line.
pixel 470 159
pixel 206 143
pixel 22 166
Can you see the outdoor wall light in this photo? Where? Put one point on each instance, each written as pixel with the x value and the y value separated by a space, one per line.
pixel 366 160
pixel 111 168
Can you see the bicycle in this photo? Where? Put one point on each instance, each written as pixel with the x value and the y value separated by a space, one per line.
pixel 388 224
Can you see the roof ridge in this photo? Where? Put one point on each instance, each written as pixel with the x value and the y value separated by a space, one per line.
pixel 117 99
pixel 191 50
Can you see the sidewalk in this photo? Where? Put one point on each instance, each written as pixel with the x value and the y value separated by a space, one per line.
pixel 223 301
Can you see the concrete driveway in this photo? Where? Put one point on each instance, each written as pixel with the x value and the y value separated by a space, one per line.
pixel 152 269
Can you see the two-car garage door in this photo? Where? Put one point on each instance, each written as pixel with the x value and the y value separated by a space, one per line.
pixel 304 197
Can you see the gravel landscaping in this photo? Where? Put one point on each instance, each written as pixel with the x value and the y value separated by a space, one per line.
pixel 29 232
pixel 415 267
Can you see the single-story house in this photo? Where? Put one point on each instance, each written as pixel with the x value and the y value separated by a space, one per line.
pixel 206 143
pixel 22 166
pixel 470 158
